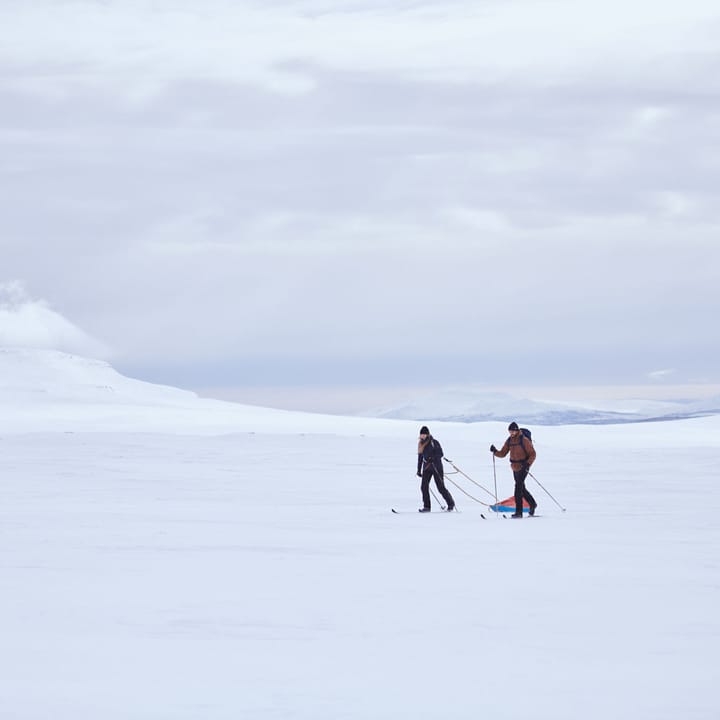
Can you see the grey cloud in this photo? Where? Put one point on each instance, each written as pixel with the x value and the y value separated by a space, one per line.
pixel 374 220
pixel 420 143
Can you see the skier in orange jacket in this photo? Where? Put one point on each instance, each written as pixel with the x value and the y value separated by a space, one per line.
pixel 522 456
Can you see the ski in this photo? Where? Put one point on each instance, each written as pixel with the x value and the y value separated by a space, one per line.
pixel 417 512
pixel 432 512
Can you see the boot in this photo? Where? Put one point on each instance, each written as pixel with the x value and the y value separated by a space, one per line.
pixel 424 509
pixel 516 515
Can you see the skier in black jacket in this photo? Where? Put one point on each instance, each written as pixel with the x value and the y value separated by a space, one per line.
pixel 430 455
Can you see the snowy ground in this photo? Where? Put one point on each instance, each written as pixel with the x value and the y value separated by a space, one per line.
pixel 167 576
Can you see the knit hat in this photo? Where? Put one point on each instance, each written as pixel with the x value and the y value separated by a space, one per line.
pixel 513 426
pixel 424 430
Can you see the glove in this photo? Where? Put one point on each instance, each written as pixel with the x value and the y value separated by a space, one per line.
pixel 493 449
pixel 419 474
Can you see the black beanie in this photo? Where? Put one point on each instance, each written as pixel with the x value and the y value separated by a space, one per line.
pixel 424 430
pixel 513 426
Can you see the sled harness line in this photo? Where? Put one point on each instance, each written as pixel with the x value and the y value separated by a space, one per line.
pixel 465 475
pixel 462 490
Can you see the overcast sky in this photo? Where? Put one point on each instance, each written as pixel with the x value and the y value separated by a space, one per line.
pixel 225 194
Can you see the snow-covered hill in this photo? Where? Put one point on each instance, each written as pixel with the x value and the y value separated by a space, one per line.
pixel 48 390
pixel 46 376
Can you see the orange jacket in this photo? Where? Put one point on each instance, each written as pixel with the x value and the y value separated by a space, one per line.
pixel 521 452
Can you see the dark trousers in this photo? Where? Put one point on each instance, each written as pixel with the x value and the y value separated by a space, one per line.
pixel 428 472
pixel 521 491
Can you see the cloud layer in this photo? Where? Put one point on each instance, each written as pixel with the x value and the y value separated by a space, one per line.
pixel 375 191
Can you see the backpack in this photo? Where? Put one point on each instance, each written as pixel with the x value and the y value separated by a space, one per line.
pixel 437 449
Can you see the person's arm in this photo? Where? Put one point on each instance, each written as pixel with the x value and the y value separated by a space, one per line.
pixel 530 451
pixel 503 451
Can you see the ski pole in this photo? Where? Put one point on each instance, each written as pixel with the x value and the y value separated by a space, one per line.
pixel 541 485
pixel 495 479
pixel 442 507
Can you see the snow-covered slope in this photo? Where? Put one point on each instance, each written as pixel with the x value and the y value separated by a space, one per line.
pixel 48 390
pixel 47 376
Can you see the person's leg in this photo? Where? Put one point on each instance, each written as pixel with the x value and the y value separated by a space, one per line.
pixel 526 493
pixel 530 499
pixel 519 476
pixel 440 482
pixel 425 487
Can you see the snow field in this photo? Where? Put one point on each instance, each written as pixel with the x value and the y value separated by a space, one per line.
pixel 263 576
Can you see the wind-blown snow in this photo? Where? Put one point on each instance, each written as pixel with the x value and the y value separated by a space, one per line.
pixel 30 323
pixel 243 563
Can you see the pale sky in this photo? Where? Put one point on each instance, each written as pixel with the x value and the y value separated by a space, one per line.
pixel 311 193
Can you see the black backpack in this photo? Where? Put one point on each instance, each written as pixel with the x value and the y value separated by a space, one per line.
pixel 437 450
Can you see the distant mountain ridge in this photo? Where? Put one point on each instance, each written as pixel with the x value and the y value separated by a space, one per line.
pixel 468 405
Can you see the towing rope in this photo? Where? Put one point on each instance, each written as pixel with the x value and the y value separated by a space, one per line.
pixel 465 475
pixel 462 490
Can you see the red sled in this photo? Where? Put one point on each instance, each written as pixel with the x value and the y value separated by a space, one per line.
pixel 508 505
